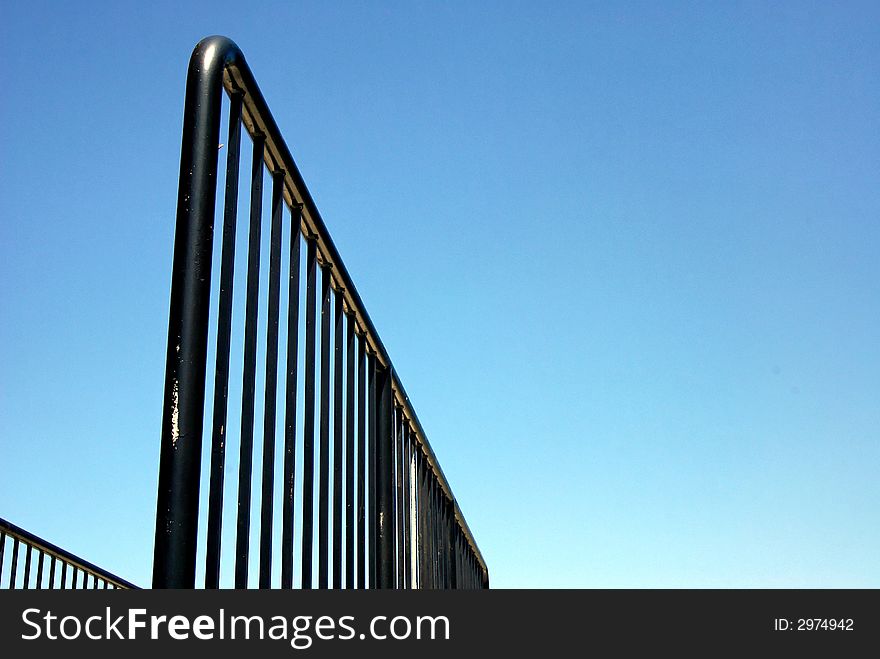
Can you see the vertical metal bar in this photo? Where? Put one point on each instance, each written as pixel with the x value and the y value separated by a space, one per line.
pixel 398 495
pixel 362 465
pixel 453 554
pixel 465 549
pixel 174 555
pixel 248 389
pixel 456 556
pixel 309 416
pixel 392 466
pixel 349 452
pixel 429 527
pixel 224 323
pixel 462 549
pixel 425 536
pixel 52 574
pixel 287 511
pixel 27 567
pixel 441 532
pixel 413 523
pixel 447 544
pixel 438 538
pixel 416 515
pixel 471 581
pixel 435 523
pixel 422 515
pixel 404 497
pixel 371 468
pixel 444 538
pixel 39 583
pixel 268 482
pixel 441 536
pixel 462 561
pixel 2 549
pixel 407 544
pixel 63 573
pixel 450 547
pixel 429 538
pixel 407 498
pixel 338 443
pixel 417 520
pixel 324 452
pixel 385 475
pixel 462 580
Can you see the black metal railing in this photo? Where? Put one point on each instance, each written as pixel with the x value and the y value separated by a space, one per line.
pixel 27 561
pixel 351 479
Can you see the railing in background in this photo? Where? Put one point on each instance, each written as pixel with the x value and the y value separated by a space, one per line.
pixel 385 516
pixel 34 563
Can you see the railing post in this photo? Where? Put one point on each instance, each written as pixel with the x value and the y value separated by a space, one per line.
pixel 183 406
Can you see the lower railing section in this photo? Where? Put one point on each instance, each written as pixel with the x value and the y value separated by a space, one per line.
pixel 27 561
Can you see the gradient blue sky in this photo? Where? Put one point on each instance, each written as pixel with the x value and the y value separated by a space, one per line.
pixel 623 255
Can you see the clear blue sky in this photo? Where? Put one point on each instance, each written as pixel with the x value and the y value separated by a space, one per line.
pixel 623 255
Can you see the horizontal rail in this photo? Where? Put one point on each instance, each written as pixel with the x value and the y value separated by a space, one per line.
pixel 44 548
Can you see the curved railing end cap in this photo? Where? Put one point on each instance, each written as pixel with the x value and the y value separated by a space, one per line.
pixel 215 50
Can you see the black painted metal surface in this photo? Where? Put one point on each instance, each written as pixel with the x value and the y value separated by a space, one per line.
pixel 42 559
pixel 379 512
